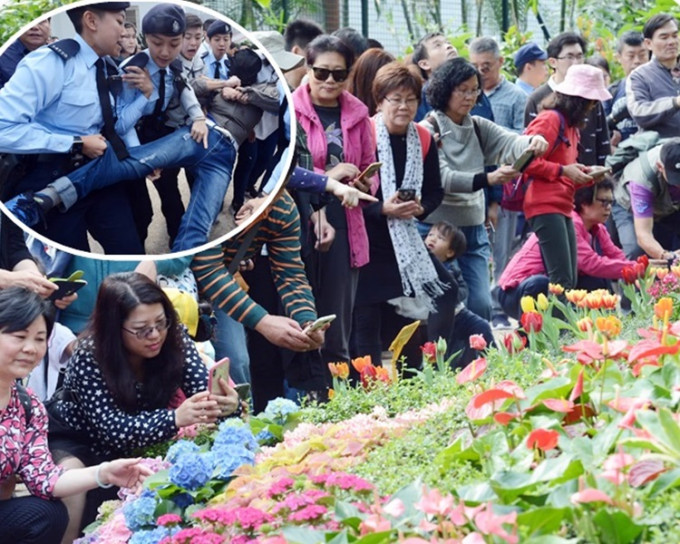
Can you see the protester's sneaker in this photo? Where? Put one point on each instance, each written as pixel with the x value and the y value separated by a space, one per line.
pixel 29 208
pixel 500 321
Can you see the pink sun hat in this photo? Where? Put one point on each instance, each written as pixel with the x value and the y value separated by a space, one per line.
pixel 585 81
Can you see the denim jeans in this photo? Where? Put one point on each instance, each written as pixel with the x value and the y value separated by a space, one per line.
pixel 230 341
pixel 623 219
pixel 212 167
pixel 532 286
pixel 503 248
pixel 474 264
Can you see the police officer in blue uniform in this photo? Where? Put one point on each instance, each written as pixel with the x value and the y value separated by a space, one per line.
pixel 54 109
pixel 217 58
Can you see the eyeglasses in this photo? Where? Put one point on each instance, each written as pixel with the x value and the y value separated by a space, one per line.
pixel 606 202
pixel 161 326
pixel 468 94
pixel 571 57
pixel 322 74
pixel 409 102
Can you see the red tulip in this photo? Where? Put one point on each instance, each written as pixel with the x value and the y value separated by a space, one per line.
pixel 532 321
pixel 629 275
pixel 429 350
pixel 477 342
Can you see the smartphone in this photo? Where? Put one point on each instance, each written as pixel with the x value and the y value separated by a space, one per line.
pixel 319 323
pixel 243 390
pixel 66 287
pixel 370 170
pixel 217 371
pixel 406 194
pixel 598 172
pixel 523 161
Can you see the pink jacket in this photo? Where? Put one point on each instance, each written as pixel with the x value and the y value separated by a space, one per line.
pixel 527 261
pixel 358 147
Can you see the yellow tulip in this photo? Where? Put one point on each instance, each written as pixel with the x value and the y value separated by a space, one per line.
pixel 542 302
pixel 527 304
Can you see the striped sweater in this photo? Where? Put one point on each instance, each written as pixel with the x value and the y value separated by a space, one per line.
pixel 280 230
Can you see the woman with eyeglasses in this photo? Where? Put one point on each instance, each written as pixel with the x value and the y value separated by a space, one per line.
pixel 466 146
pixel 40 517
pixel 134 380
pixel 340 140
pixel 400 283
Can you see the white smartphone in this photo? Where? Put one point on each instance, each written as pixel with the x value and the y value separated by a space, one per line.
pixel 319 323
pixel 217 371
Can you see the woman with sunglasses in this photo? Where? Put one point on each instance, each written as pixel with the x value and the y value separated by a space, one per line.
pixel 40 517
pixel 340 140
pixel 134 381
pixel 467 145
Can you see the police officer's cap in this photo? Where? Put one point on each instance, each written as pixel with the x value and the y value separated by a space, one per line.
pixel 165 19
pixel 76 13
pixel 219 27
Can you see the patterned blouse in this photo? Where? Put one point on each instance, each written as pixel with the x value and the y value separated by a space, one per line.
pixel 114 431
pixel 23 448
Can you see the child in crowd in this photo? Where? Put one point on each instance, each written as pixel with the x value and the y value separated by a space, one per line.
pixel 447 242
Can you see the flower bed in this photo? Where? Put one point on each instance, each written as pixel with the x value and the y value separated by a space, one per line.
pixel 575 438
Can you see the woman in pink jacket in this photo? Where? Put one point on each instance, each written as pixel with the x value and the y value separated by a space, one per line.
pixel 340 139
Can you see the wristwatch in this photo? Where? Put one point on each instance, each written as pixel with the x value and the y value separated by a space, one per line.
pixel 77 146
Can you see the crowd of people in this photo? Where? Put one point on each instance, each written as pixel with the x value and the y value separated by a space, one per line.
pixel 396 209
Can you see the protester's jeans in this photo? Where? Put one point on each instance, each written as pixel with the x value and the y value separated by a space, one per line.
pixel 474 265
pixel 212 167
pixel 510 298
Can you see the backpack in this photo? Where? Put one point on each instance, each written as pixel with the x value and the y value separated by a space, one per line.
pixel 25 400
pixel 631 148
pixel 514 191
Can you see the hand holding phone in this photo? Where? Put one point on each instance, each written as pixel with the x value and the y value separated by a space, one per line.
pixel 523 161
pixel 370 170
pixel 319 323
pixel 67 286
pixel 406 195
pixel 217 371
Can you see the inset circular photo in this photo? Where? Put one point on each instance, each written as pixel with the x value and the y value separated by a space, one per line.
pixel 141 128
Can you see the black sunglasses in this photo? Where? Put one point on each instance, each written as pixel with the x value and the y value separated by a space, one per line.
pixel 322 74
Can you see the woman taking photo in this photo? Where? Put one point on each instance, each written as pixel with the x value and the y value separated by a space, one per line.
pixel 340 139
pixel 549 200
pixel 38 518
pixel 467 145
pixel 134 381
pixel 400 271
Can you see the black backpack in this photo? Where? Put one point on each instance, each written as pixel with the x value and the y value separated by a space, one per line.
pixel 25 399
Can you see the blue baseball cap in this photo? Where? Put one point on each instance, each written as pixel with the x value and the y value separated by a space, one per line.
pixel 527 53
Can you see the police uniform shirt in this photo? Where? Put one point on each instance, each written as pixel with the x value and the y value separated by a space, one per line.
pixel 132 105
pixel 210 62
pixel 50 100
pixel 9 60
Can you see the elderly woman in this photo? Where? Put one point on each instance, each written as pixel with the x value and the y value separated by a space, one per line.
pixel 39 517
pixel 400 282
pixel 466 146
pixel 340 140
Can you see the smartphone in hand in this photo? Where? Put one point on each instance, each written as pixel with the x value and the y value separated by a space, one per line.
pixel 243 390
pixel 217 371
pixel 370 170
pixel 406 195
pixel 319 323
pixel 523 161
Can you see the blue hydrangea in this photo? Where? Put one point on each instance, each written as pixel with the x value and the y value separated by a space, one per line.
pixel 140 512
pixel 236 436
pixel 192 470
pixel 149 536
pixel 280 409
pixel 231 423
pixel 264 437
pixel 229 457
pixel 180 447
pixel 183 499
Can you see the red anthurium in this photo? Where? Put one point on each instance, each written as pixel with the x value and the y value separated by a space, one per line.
pixel 490 523
pixel 512 388
pixel 587 351
pixel 637 367
pixel 650 348
pixel 503 418
pixel 491 395
pixel 472 371
pixel 543 439
pixel 623 404
pixel 531 321
pixel 645 471
pixel 578 412
pixel 578 387
pixel 590 495
pixel 559 405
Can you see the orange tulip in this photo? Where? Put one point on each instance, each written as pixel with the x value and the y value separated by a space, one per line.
pixel 585 324
pixel 610 326
pixel 360 363
pixel 339 370
pixel 663 308
pixel 555 289
pixel 576 296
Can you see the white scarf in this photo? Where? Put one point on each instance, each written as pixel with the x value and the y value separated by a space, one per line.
pixel 418 275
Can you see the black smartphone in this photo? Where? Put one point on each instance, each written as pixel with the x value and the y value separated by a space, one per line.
pixel 65 287
pixel 523 161
pixel 243 390
pixel 406 194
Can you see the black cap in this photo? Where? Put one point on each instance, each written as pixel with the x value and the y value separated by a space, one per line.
pixel 670 158
pixel 76 13
pixel 219 27
pixel 165 19
pixel 245 64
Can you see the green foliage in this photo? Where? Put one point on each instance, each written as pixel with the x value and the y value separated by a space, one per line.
pixel 17 13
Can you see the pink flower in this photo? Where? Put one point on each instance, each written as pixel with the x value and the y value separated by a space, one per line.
pixel 394 508
pixel 472 371
pixel 348 481
pixel 374 523
pixel 115 531
pixel 432 502
pixel 492 524
pixel 473 538
pixel 280 487
pixel 168 519
pixel 477 342
pixel 308 513
pixel 543 439
pixel 590 495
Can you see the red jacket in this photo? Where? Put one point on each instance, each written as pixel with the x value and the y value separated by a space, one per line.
pixel 549 192
pixel 528 262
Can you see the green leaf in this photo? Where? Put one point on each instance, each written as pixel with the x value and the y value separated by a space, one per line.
pixel 543 520
pixel 665 481
pixel 550 539
pixel 661 430
pixel 461 448
pixel 477 493
pixel 167 506
pixel 340 538
pixel 377 538
pixel 552 389
pixel 557 470
pixel 159 478
pixel 560 497
pixel 672 430
pixel 616 527
pixel 509 485
pixel 302 535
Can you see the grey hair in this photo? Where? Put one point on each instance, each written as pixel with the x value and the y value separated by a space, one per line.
pixel 484 45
